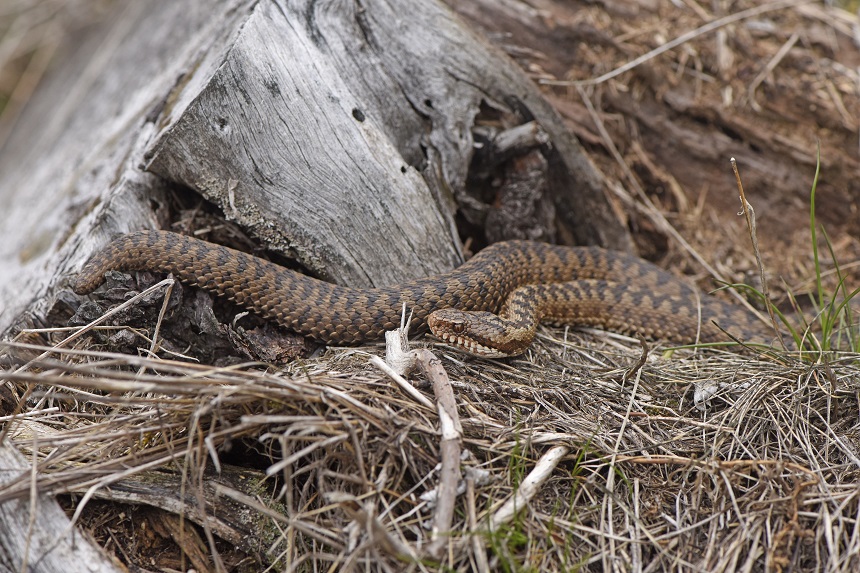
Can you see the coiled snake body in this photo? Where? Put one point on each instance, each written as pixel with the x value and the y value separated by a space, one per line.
pixel 489 306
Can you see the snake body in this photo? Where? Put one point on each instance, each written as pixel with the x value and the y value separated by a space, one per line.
pixel 489 306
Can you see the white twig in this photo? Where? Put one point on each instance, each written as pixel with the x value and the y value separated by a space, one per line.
pixel 401 381
pixel 529 486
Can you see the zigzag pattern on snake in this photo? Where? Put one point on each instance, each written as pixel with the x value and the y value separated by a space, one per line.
pixel 488 306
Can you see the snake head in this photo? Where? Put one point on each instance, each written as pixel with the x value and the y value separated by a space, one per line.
pixel 479 333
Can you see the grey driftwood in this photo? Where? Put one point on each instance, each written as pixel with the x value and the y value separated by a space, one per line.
pixel 36 535
pixel 337 135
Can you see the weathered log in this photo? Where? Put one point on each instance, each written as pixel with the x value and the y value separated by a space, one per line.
pixel 337 134
pixel 36 535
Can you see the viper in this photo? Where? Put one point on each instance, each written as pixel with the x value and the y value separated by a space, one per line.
pixel 489 306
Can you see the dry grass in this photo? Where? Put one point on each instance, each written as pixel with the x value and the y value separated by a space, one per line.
pixel 698 460
pixel 693 460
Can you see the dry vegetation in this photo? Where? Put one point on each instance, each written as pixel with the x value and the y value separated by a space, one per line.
pixel 765 89
pixel 706 459
pixel 653 459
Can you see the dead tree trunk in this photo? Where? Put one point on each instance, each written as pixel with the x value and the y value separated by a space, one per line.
pixel 36 535
pixel 340 135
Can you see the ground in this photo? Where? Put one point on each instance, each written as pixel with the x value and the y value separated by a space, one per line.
pixel 705 459
pixel 767 90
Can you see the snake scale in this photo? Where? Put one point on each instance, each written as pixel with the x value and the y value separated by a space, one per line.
pixel 489 306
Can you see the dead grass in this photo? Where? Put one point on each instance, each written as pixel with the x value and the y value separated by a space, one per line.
pixel 702 460
pixel 699 460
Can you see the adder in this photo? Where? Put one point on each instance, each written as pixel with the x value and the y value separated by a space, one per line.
pixel 489 306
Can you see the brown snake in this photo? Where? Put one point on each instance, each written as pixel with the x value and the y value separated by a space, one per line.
pixel 522 282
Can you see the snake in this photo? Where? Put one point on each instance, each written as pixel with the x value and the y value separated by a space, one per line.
pixel 489 306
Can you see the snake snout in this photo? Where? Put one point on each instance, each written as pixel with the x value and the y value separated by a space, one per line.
pixel 477 332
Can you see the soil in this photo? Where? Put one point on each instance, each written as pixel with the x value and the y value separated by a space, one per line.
pixel 766 90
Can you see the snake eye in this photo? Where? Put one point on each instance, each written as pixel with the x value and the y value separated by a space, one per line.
pixel 458 327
